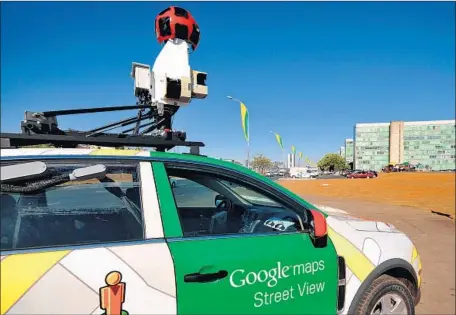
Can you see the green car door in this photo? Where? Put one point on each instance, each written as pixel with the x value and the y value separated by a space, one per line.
pixel 228 259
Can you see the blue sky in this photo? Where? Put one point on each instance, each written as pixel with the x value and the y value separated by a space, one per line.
pixel 308 70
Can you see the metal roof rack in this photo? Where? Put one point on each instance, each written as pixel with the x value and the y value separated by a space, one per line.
pixel 42 128
pixel 160 91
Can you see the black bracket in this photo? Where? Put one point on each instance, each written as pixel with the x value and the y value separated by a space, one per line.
pixel 42 128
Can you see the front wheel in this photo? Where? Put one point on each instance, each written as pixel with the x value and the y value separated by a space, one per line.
pixel 386 295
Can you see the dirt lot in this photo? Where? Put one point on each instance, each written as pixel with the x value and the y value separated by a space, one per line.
pixel 425 191
pixel 405 200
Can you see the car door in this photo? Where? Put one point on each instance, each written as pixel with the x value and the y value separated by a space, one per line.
pixel 242 273
pixel 91 246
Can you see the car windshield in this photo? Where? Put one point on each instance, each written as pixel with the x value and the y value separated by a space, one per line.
pixel 250 196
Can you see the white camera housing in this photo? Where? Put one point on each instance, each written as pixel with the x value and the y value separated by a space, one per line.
pixel 141 74
pixel 171 81
pixel 199 87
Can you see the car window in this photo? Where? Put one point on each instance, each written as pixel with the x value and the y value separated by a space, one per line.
pixel 188 193
pixel 73 212
pixel 210 204
pixel 250 195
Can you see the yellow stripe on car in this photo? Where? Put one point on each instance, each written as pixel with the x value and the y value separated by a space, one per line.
pixel 358 263
pixel 416 261
pixel 18 273
pixel 414 254
pixel 114 152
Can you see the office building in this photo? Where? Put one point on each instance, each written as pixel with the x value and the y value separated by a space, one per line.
pixel 349 149
pixel 429 143
pixel 371 146
pixel 342 151
pixel 291 161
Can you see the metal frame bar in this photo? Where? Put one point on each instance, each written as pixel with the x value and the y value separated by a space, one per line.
pixel 92 110
pixel 9 140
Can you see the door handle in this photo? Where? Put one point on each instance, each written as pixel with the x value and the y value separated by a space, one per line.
pixel 205 277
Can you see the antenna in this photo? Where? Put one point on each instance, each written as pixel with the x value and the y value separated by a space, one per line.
pixel 159 92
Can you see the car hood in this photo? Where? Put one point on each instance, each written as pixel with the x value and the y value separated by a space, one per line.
pixel 357 223
pixel 366 225
pixel 367 244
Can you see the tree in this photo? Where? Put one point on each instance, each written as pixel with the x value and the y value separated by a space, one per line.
pixel 261 163
pixel 332 162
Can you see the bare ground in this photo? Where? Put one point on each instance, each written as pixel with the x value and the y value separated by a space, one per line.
pixel 424 191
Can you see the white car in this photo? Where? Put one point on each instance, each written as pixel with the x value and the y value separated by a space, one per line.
pixel 303 175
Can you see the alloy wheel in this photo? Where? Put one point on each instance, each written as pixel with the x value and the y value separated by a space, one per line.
pixel 390 303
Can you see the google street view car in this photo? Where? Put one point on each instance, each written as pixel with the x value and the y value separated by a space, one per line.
pixel 87 228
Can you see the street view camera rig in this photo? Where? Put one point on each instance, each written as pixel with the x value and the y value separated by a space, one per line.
pixel 160 93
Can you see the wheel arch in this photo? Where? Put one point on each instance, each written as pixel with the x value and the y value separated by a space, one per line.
pixel 397 268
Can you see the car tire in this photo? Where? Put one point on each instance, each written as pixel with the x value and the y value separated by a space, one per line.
pixel 382 293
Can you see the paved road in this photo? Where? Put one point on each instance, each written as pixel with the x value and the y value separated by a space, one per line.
pixel 434 237
pixel 316 178
pixel 331 177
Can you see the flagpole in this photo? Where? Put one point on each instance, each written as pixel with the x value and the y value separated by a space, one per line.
pixel 248 146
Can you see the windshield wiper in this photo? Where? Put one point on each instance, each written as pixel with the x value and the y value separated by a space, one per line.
pixel 17 177
pixel 23 171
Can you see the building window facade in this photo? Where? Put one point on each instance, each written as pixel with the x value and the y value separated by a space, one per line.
pixel 430 144
pixel 371 146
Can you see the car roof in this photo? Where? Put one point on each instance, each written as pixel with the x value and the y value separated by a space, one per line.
pixel 65 153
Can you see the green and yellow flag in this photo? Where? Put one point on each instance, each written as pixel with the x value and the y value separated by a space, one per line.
pixel 245 121
pixel 300 155
pixel 279 139
pixel 293 149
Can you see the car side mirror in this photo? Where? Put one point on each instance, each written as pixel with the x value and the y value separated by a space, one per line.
pixel 173 184
pixel 319 229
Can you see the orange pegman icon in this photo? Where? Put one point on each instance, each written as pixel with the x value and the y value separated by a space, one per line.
pixel 112 296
